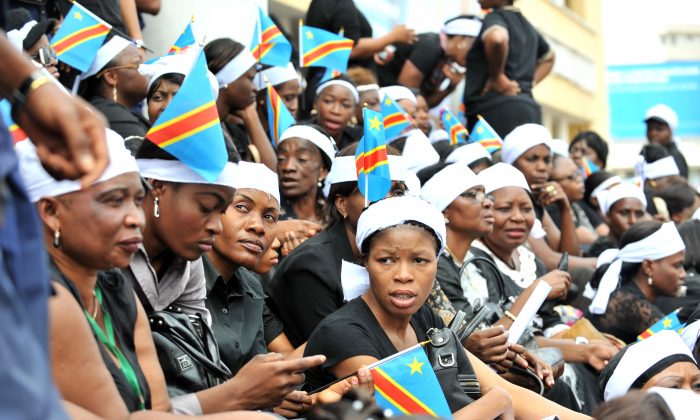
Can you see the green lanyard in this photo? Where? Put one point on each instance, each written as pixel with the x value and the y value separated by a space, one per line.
pixel 108 340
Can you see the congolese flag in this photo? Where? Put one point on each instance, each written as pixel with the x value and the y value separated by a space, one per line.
pixel 17 133
pixel 669 322
pixel 80 36
pixel 405 384
pixel 278 116
pixel 457 131
pixel 371 161
pixel 189 127
pixel 185 39
pixel 319 48
pixel 395 119
pixel 588 168
pixel 484 134
pixel 269 46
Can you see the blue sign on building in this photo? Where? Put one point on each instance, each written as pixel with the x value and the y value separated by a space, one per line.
pixel 634 89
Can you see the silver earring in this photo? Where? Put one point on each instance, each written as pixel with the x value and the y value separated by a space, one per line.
pixel 56 238
pixel 156 209
pixel 650 281
pixel 319 184
pixel 447 221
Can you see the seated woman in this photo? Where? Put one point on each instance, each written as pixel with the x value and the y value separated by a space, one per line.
pixel 306 286
pixel 334 107
pixel 400 239
pixel 114 86
pixel 234 68
pixel 661 360
pixel 591 146
pixel 568 175
pixel 622 206
pixel 648 264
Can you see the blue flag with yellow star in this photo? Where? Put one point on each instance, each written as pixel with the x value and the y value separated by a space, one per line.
pixel 405 384
pixel 371 160
pixel 669 322
pixel 80 36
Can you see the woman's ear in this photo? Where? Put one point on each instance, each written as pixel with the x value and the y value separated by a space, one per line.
pixel 48 208
pixel 110 77
pixel 322 173
pixel 647 267
pixel 341 204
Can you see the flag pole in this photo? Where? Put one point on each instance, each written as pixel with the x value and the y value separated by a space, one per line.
pixel 364 169
pixel 301 44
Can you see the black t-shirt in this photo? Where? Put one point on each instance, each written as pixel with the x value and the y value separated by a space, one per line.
pixel 353 330
pixel 525 48
pixel 426 55
pixel 120 119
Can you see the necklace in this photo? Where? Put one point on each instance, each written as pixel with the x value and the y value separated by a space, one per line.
pixel 94 304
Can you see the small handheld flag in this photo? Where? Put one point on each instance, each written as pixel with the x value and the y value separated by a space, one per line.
pixel 484 134
pixel 395 119
pixel 329 74
pixel 269 46
pixel 669 322
pixel 588 168
pixel 371 161
pixel 278 116
pixel 17 133
pixel 405 384
pixel 80 36
pixel 319 48
pixel 458 133
pixel 189 128
pixel 185 39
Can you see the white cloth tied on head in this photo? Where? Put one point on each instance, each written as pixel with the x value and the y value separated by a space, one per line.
pixel 641 356
pixel 468 154
pixel 105 54
pixel 339 82
pixel 176 171
pixel 40 184
pixel 664 113
pixel 559 147
pixel 502 175
pixel 418 153
pixel 683 403
pixel 660 244
pixel 607 184
pixel 446 185
pixel 397 93
pixel 463 26
pixel 607 198
pixel 660 168
pixel 437 135
pixel 320 140
pixel 397 210
pixel 367 88
pixel 179 63
pixel 17 36
pixel 276 76
pixel 258 176
pixel 344 169
pixel 522 139
pixel 690 334
pixel 235 68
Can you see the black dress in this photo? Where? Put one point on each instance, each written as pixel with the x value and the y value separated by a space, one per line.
pixel 120 119
pixel 306 286
pixel 119 302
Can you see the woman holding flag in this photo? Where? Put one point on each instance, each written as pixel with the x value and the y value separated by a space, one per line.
pixel 400 239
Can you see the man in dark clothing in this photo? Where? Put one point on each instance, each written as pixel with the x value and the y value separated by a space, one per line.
pixel 662 121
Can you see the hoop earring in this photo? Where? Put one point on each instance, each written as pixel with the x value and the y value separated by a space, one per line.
pixel 650 281
pixel 156 209
pixel 56 238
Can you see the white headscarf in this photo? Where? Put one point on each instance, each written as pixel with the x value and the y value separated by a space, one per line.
pixel 344 170
pixel 418 152
pixel 463 26
pixel 260 177
pixel 340 82
pixel 660 244
pixel 176 171
pixel 235 68
pixel 502 175
pixel 606 185
pixel 607 198
pixel 179 63
pixel 663 167
pixel 105 54
pixel 683 403
pixel 446 185
pixel 522 139
pixel 468 154
pixel 320 140
pixel 397 93
pixel 40 184
pixel 276 76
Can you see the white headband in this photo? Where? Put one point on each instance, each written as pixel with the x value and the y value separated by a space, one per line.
pixel 607 198
pixel 605 185
pixel 339 82
pixel 235 68
pixel 397 93
pixel 323 142
pixel 397 210
pixel 40 184
pixel 178 63
pixel 446 185
pixel 641 356
pixel 176 171
pixel 690 334
pixel 344 170
pixel 276 76
pixel 367 88
pixel 559 147
pixel 418 153
pixel 17 36
pixel 662 167
pixel 683 403
pixel 437 135
pixel 463 26
pixel 522 139
pixel 502 175
pixel 105 54
pixel 660 244
pixel 260 177
pixel 468 154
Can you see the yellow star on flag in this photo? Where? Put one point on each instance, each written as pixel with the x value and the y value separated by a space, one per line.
pixel 374 123
pixel 78 16
pixel 387 101
pixel 480 129
pixel 448 117
pixel 309 35
pixel 667 323
pixel 416 366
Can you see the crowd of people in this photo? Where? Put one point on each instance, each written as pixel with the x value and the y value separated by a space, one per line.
pixel 290 284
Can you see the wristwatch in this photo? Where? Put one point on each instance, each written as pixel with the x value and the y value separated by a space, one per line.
pixel 139 44
pixel 36 79
pixel 581 340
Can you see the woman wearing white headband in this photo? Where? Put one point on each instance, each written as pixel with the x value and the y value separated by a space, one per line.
pixel 648 264
pixel 657 168
pixel 307 286
pixel 400 239
pixel 334 108
pixel 234 68
pixel 285 81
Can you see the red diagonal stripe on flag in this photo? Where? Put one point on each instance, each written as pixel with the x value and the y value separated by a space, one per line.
pixel 191 122
pixel 269 33
pixel 75 38
pixel 366 162
pixel 397 395
pixel 325 49
pixel 393 119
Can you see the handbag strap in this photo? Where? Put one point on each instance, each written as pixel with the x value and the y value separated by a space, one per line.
pixel 142 296
pixel 500 281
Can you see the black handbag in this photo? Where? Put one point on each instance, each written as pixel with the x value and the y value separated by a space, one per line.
pixel 186 347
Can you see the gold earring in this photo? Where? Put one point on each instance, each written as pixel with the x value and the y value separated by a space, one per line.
pixel 353 121
pixel 313 112
pixel 650 281
pixel 115 96
pixel 56 238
